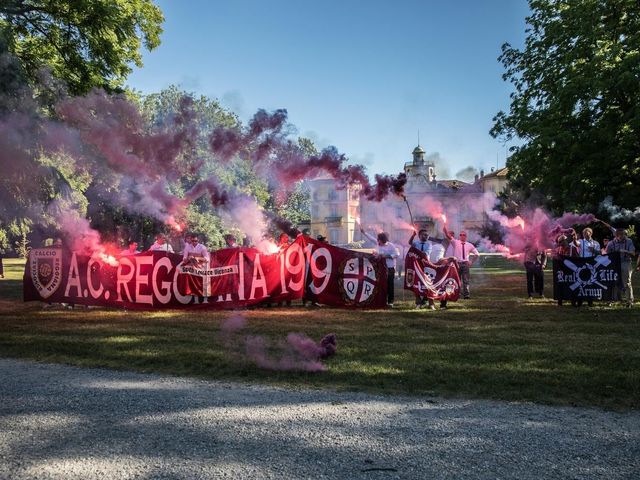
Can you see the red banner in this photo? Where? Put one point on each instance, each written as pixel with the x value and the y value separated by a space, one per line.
pixel 429 280
pixel 234 277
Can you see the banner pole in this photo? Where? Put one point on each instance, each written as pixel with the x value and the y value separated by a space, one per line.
pixel 404 197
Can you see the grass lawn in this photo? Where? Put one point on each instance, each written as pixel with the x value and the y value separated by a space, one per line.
pixel 498 345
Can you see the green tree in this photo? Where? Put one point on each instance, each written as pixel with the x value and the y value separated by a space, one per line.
pixel 308 147
pixel 86 43
pixel 20 230
pixel 296 206
pixel 199 164
pixel 576 103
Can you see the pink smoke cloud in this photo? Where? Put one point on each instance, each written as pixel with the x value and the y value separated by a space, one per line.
pixel 297 352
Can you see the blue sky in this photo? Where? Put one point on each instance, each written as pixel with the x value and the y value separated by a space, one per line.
pixel 361 75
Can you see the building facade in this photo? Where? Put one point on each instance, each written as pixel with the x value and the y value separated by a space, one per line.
pixel 495 181
pixel 335 213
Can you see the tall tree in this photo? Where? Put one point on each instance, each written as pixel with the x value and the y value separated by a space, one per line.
pixel 576 103
pixel 86 43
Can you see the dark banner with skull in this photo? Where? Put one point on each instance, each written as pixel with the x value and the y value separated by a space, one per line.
pixel 233 278
pixel 438 281
pixel 592 278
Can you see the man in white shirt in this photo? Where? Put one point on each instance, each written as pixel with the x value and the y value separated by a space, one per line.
pixel 194 253
pixel 422 243
pixel 465 253
pixel 390 253
pixel 437 252
pixel 161 245
pixel 588 246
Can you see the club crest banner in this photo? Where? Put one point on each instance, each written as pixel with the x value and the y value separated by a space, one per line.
pixel 429 280
pixel 233 278
pixel 593 278
pixel 45 268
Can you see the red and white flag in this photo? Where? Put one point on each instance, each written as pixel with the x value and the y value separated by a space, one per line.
pixel 430 280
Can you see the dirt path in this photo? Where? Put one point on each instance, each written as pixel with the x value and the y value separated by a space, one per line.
pixel 67 423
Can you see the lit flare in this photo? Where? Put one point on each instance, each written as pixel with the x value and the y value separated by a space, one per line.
pixel 108 259
pixel 171 222
pixel 267 246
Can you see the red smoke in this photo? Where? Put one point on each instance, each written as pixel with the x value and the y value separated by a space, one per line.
pixel 282 224
pixel 113 126
pixel 277 156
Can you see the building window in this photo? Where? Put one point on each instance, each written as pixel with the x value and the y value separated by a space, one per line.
pixel 333 195
pixel 334 210
pixel 398 212
pixel 314 211
pixel 334 235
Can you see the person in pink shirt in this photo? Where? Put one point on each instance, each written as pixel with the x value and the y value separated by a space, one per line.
pixel 465 253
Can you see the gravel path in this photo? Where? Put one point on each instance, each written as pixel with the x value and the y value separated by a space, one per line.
pixel 71 423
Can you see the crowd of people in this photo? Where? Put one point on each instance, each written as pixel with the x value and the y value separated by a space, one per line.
pixel 193 248
pixel 448 249
pixel 569 245
pixel 464 253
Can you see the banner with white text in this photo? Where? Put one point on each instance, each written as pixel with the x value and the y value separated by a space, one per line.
pixel 593 278
pixel 233 278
